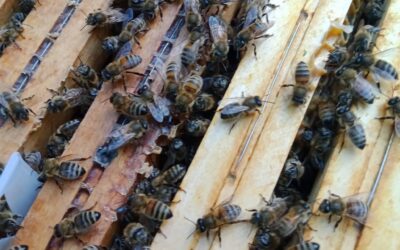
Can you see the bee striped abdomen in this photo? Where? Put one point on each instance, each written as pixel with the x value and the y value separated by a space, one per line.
pixel 70 171
pixel 138 109
pixel 357 208
pixel 158 210
pixel 230 212
pixel 302 74
pixel 86 219
pixel 357 135
pixel 175 173
pixel 387 68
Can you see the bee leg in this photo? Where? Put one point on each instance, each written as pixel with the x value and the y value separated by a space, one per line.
pixel 233 125
pixel 80 240
pixel 27 98
pixel 251 210
pixel 208 234
pixel 219 236
pixel 311 228
pixel 161 14
pixel 384 117
pixel 59 185
pixel 137 42
pixel 338 222
pixel 330 218
pixel 288 85
pixel 80 159
pixel 254 50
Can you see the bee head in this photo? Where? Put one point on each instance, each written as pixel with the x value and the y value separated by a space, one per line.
pixel 115 98
pixel 22 114
pixel 192 127
pixel 96 215
pixel 255 218
pixel 106 75
pixel 239 43
pixel 258 101
pixel 340 110
pixel 83 69
pixel 91 19
pixel 58 231
pixel 56 104
pixel 201 225
pixel 325 206
pixel 393 101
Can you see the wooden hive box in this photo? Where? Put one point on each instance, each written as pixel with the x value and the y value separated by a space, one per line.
pixel 246 161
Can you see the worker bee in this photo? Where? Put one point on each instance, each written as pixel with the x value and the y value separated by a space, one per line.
pixel 177 152
pixel 132 28
pixel 173 76
pixel 158 106
pixel 147 7
pixel 219 35
pixel 8 220
pixel 265 239
pixel 336 58
pixel 102 17
pixel 219 216
pixel 136 233
pixel 194 19
pixel 77 224
pixel 165 193
pixel 86 77
pixel 9 33
pixel 94 247
pixel 188 91
pixel 66 170
pixel 363 39
pixel 293 169
pixel 216 85
pixel 69 98
pixel 128 105
pixel 119 137
pixel 13 108
pixel 197 127
pixel 357 136
pixel 302 79
pixel 119 65
pixel 190 53
pixel 149 207
pixel 204 102
pixel 353 207
pixel 373 11
pixel 57 142
pixel 170 177
pixel 34 160
pixel 346 116
pixel 394 104
pixel 111 44
pixel 269 214
pixel 27 6
pixel 236 109
pixel 297 216
pixel 19 247
pixel 326 113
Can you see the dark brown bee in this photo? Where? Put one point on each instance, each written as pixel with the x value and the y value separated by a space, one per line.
pixel 336 58
pixel 346 116
pixel 149 207
pixel 8 220
pixel 219 216
pixel 204 102
pixel 121 64
pixel 363 39
pixel 197 127
pixel 76 224
pixel 129 105
pixel 194 19
pixel 69 98
pixel 302 78
pixel 13 107
pixel 177 152
pixel 265 240
pixel 19 247
pixel 173 76
pixel 170 177
pixel 293 169
pixel 148 7
pixel 216 84
pixel 219 35
pixel 373 11
pixel 136 233
pixel 357 135
pixel 190 53
pixel 86 77
pixel 27 6
pixel 235 110
pixel 102 17
pixel 57 141
pixel 353 207
pixel 111 44
pixel 358 83
pixel 269 214
pixel 188 92
pixel 326 113
pixel 159 107
pixel 249 33
pixel 165 193
pixel 208 3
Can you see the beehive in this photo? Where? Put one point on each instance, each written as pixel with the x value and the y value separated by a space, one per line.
pixel 255 150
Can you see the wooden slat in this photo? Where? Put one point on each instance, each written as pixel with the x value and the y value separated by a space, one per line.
pixel 36 26
pixel 6 9
pixel 265 162
pixel 63 54
pixel 96 125
pixel 351 170
pixel 213 161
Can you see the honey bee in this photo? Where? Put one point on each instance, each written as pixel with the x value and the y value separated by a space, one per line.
pixel 8 220
pixel 216 85
pixel 357 136
pixel 111 44
pixel 363 39
pixel 190 53
pixel 373 11
pixel 346 116
pixel 265 240
pixel 194 19
pixel 86 77
pixel 149 207
pixel 302 78
pixel 19 247
pixel 34 160
pixel 270 213
pixel 27 6
pixel 66 170
pixel 197 127
pixel 336 58
pixel 94 247
pixel 11 104
pixel 57 142
pixel 394 104
pixel 119 65
pixel 173 76
pixel 236 109
pixel 136 233
pixel 165 193
pixel 204 102
pixel 353 207
pixel 129 105
pixel 118 138
pixel 297 216
pixel 188 91
pixel 9 33
pixel 102 17
pixel 293 169
pixel 219 216
pixel 132 28
pixel 177 152
pixel 219 35
pixel 77 224
pixel 171 176
pixel 326 113
pixel 69 98
pixel 147 7
pixel 158 106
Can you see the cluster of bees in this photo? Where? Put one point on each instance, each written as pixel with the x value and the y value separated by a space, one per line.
pixel 13 28
pixel 195 80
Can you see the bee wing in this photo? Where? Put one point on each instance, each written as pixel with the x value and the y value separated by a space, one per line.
pixel 159 109
pixel 234 108
pixel 117 142
pixel 77 97
pixel 192 5
pixel 218 28
pixel 381 76
pixel 116 15
pixel 397 125
pixel 129 15
pixel 251 16
pixel 124 50
pixel 362 86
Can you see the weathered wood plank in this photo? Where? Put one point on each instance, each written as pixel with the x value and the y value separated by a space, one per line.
pixel 351 170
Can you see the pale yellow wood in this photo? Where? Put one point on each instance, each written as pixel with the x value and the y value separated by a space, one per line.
pixel 36 27
pixel 351 170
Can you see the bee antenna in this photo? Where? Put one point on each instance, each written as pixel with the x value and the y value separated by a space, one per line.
pixel 83 27
pixel 194 223
pixel 191 233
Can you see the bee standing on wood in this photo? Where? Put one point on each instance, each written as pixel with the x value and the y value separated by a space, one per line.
pixel 353 207
pixel 8 220
pixel 86 77
pixel 12 108
pixel 57 142
pixel 149 207
pixel 69 98
pixel 119 65
pixel 302 79
pixel 219 35
pixel 102 17
pixel 77 224
pixel 129 105
pixel 394 105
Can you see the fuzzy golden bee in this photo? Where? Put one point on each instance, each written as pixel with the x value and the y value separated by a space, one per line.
pixel 188 92
pixel 120 65
pixel 204 102
pixel 149 207
pixel 129 105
